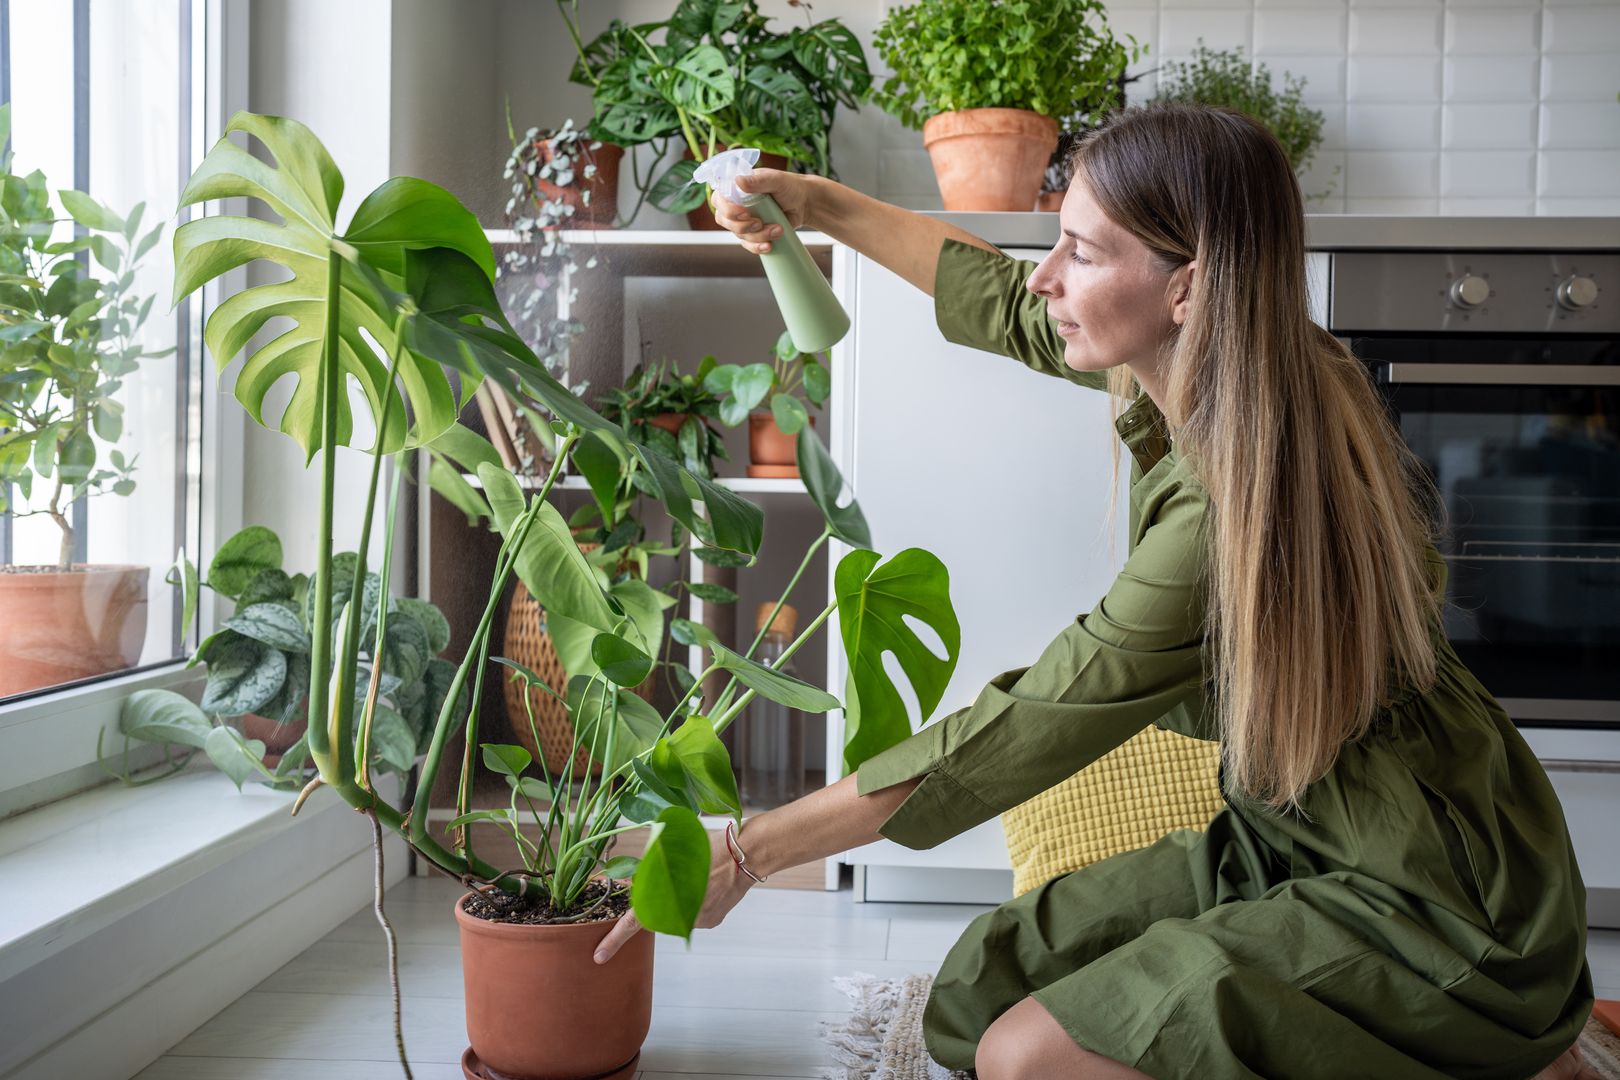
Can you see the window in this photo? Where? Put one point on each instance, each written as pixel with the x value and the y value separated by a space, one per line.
pixel 103 99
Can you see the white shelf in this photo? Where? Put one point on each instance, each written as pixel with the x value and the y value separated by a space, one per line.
pixel 671 252
pixel 756 485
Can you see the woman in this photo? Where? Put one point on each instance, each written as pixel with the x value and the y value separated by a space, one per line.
pixel 1390 890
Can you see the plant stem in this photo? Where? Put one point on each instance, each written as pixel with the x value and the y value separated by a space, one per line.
pixel 393 943
pixel 320 650
pixel 723 721
pixel 725 694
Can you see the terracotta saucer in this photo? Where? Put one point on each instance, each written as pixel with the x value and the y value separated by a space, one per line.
pixel 473 1069
pixel 788 471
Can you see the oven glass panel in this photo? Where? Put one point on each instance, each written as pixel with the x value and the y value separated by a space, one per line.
pixel 1530 482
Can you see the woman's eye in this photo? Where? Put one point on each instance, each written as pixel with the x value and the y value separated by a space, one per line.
pixel 1081 261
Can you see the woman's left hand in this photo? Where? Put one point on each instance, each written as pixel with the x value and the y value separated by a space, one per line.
pixel 727 885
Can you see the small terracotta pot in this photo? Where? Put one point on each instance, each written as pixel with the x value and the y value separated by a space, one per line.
pixel 669 421
pixel 703 216
pixel 990 159
pixel 57 626
pixel 539 1006
pixel 772 451
pixel 277 738
pixel 604 186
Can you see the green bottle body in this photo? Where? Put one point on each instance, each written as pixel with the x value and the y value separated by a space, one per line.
pixel 815 319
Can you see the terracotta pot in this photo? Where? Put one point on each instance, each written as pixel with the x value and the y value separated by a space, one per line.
pixel 1049 202
pixel 539 1006
pixel 703 216
pixel 604 186
pixel 669 421
pixel 277 738
pixel 58 626
pixel 990 159
pixel 771 451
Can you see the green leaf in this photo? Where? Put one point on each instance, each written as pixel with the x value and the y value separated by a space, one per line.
pixel 714 594
pixel 673 875
pixel 431 619
pixel 235 755
pixel 393 743
pixel 501 817
pixel 449 483
pixel 620 867
pixel 243 675
pixel 751 385
pixel 267 586
pixel 721 557
pixel 550 564
pixel 674 192
pixel 89 213
pixel 506 759
pixel 645 605
pixel 184 574
pixel 242 558
pixel 817 382
pixel 873 603
pixel 163 716
pixel 602 470
pixel 619 660
pixel 731 522
pixel 273 624
pixel 688 632
pixel 465 447
pixel 707 765
pixel 77 456
pixel 779 687
pixel 825 483
pixel 701 81
pixel 789 413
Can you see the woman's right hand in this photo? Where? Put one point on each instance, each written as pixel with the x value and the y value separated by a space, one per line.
pixel 791 192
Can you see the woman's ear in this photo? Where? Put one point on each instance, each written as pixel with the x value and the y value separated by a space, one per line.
pixel 1181 291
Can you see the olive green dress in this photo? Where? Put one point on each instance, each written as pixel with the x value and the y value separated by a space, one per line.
pixel 1426 918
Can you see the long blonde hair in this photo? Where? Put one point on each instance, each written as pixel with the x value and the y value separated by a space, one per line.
pixel 1319 604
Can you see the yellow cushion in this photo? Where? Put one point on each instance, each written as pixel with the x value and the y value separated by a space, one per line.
pixel 1154 783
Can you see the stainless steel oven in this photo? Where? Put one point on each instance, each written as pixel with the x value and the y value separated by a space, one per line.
pixel 1503 372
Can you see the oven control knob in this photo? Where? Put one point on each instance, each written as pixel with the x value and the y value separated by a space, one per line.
pixel 1469 291
pixel 1577 292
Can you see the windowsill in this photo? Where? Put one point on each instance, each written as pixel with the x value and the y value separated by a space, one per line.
pixel 77 865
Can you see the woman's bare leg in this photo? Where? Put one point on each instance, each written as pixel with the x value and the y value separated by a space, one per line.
pixel 1027 1043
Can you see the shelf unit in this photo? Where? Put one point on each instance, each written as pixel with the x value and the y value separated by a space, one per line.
pixel 688 293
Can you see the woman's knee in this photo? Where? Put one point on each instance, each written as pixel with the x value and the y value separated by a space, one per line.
pixel 1027 1043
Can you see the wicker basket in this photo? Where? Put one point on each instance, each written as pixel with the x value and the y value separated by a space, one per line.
pixel 1154 783
pixel 528 643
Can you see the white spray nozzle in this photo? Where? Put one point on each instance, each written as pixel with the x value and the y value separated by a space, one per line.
pixel 721 171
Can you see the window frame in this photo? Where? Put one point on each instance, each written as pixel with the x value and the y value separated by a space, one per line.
pixel 48 740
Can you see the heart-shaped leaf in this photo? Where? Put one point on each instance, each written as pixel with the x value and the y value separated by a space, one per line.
pixel 507 760
pixel 673 876
pixel 243 676
pixel 242 558
pixel 873 602
pixel 273 624
pixel 163 716
pixel 789 413
pixel 619 660
pixel 235 755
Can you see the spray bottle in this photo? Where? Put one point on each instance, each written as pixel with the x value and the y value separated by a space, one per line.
pixel 815 320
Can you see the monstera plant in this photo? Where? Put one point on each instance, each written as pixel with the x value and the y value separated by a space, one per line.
pixel 400 302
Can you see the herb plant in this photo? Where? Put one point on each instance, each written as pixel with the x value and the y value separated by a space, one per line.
pixel 68 338
pixel 718 75
pixel 791 381
pixel 1054 57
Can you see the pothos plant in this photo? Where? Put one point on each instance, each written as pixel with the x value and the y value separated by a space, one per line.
pixel 792 380
pixel 68 338
pixel 413 270
pixel 718 75
pixel 257 663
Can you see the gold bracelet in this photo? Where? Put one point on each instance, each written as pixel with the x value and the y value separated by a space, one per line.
pixel 738 856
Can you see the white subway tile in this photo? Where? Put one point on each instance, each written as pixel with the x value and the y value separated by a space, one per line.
pixel 1143 88
pixel 1333 137
pixel 1455 4
pixel 1385 174
pixel 1220 28
pixel 1394 78
pixel 1581 125
pixel 1323 179
pixel 1476 31
pixel 1595 28
pixel 1323 75
pixel 1395 3
pixel 1392 127
pixel 1491 78
pixel 1410 206
pixel 903 171
pixel 1116 5
pixel 1314 5
pixel 1579 76
pixel 1494 173
pixel 1593 207
pixel 1488 127
pixel 1390 31
pixel 1142 22
pixel 1579 174
pixel 1284 30
pixel 1487 207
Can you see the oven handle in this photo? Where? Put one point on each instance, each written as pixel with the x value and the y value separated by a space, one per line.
pixel 1502 374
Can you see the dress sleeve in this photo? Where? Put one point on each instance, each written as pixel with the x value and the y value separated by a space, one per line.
pixel 1107 675
pixel 980 301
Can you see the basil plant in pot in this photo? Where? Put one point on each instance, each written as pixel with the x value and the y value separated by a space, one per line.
pixel 69 337
pixel 790 382
pixel 714 75
pixel 252 721
pixel 399 294
pixel 988 84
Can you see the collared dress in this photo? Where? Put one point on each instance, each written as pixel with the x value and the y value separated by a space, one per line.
pixel 1423 918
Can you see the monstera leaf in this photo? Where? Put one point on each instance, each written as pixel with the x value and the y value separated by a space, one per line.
pixel 303 188
pixel 873 602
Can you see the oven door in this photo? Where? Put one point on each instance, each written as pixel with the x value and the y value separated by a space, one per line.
pixel 1522 440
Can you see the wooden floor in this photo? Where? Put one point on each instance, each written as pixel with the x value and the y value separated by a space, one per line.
pixel 742 1003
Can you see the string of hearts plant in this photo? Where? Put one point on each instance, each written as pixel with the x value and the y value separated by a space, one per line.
pixel 391 302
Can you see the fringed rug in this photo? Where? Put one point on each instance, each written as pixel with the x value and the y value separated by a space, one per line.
pixel 883 1040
